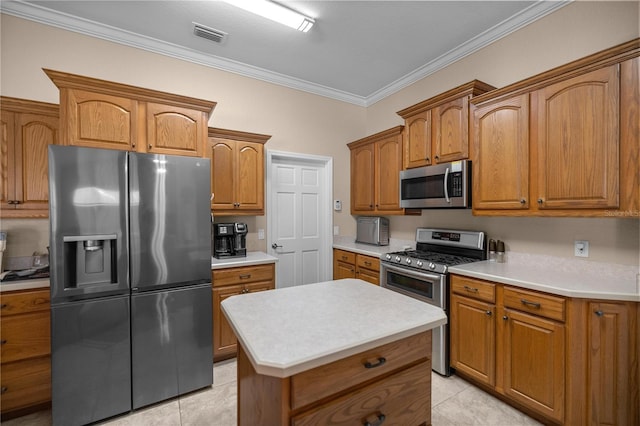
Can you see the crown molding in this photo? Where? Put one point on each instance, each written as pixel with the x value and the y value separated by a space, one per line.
pixel 68 22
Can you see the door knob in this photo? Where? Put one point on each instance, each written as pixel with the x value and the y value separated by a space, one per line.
pixel 275 246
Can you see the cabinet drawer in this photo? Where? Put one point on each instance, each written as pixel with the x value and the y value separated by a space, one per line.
pixel 539 304
pixel 320 382
pixel 243 274
pixel 25 383
pixel 368 262
pixel 401 399
pixel 24 301
pixel 344 256
pixel 25 336
pixel 475 289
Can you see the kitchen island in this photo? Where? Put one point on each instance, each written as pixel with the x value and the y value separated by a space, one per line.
pixel 337 352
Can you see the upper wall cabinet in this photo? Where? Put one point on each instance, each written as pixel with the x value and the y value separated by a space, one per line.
pixel 28 128
pixel 437 130
pixel 563 143
pixel 237 172
pixel 103 114
pixel 376 162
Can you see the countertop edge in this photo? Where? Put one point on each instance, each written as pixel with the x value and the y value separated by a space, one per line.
pixel 24 285
pixel 623 297
pixel 252 258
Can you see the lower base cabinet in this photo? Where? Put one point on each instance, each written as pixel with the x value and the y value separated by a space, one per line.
pixel 561 360
pixel 229 282
pixel 345 391
pixel 347 264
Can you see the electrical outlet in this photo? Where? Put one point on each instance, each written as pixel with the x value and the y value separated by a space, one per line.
pixel 261 234
pixel 581 248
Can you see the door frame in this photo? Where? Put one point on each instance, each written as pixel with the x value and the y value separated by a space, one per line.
pixel 326 163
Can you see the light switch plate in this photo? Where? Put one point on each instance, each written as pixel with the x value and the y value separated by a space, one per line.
pixel 581 248
pixel 336 230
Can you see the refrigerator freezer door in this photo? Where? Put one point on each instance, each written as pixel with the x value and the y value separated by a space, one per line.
pixel 171 343
pixel 90 360
pixel 87 216
pixel 170 220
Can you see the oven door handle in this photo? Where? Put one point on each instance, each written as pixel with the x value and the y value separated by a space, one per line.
pixel 419 275
pixel 446 182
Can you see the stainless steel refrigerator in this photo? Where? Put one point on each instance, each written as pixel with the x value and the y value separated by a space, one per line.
pixel 131 320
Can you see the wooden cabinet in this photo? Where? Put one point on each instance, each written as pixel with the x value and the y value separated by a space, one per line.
pixel 28 128
pixel 562 143
pixel 437 129
pixel 237 172
pixel 354 390
pixel 103 114
pixel 348 264
pixel 376 162
pixel 229 282
pixel 25 360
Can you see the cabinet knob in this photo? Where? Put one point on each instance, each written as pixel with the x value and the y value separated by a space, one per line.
pixel 599 313
pixel 540 201
pixel 371 206
pixel 3 389
pixel 133 145
pixel 150 146
pixel 504 317
pixel 3 341
pixel 3 306
pixel 489 313
pixel 523 201
pixel 427 158
pixel 380 418
pixel 437 157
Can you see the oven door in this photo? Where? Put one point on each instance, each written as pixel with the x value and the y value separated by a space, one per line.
pixel 424 286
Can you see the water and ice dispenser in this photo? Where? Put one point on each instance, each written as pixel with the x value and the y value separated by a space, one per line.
pixel 90 260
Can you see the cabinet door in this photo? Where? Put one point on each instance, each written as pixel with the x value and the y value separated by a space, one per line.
pixel 343 270
pixel 473 338
pixel 609 394
pixel 97 120
pixel 578 142
pixel 450 123
pixel 362 182
pixel 7 167
pixel 388 163
pixel 249 179
pixel 224 339
pixel 417 150
pixel 501 155
pixel 34 134
pixel 221 152
pixel 173 130
pixel 25 336
pixel 25 383
pixel 534 363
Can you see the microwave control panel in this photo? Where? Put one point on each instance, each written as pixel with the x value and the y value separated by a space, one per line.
pixel 455 187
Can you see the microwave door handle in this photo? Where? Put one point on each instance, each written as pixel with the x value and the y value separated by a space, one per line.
pixel 446 179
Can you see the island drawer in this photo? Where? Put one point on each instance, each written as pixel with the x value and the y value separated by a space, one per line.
pixel 313 385
pixel 401 399
pixel 20 302
pixel 344 256
pixel 476 289
pixel 243 274
pixel 535 303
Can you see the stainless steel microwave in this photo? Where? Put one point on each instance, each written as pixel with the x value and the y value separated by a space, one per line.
pixel 446 185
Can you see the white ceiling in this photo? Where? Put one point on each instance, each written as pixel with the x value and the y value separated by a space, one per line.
pixel 357 51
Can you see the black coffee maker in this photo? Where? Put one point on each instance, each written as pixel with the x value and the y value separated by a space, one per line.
pixel 229 240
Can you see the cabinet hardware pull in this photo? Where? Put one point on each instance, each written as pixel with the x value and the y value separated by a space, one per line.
pixel 344 258
pixel 540 201
pixel 4 389
pixel 150 146
pixel 599 313
pixel 489 313
pixel 437 157
pixel 380 362
pixel 4 305
pixel 244 277
pixel 3 341
pixel 370 206
pixel 528 303
pixel 381 419
pixel 504 317
pixel 133 145
pixel 367 263
pixel 522 201
pixel 427 159
pixel 471 289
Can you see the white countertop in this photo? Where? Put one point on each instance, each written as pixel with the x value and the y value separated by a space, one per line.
pixel 252 258
pixel 561 276
pixel 349 243
pixel 23 284
pixel 294 329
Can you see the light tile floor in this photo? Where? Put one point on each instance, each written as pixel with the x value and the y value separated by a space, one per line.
pixel 454 402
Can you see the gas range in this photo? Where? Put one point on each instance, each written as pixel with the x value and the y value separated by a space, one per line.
pixel 438 249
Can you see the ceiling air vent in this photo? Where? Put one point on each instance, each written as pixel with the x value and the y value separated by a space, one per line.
pixel 209 33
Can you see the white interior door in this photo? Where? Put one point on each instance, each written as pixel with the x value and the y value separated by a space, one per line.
pixel 300 217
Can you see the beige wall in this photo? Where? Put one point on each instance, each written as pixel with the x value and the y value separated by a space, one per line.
pixel 300 122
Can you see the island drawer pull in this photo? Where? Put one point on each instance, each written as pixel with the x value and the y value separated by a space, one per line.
pixel 471 289
pixel 244 277
pixel 380 362
pixel 532 304
pixel 380 418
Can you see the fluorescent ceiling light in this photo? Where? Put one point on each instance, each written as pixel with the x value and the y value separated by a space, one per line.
pixel 275 12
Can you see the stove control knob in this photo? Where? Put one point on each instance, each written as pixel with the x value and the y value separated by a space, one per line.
pixel 388 257
pixel 398 259
pixel 408 261
pixel 432 265
pixel 419 263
